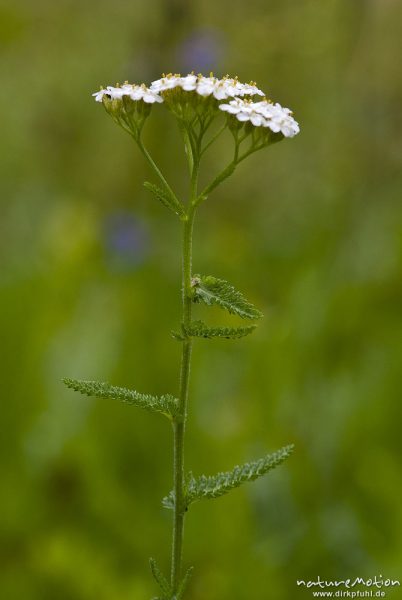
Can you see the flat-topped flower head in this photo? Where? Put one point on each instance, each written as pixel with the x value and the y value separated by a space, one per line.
pixel 128 104
pixel 220 89
pixel 196 101
pixel 263 114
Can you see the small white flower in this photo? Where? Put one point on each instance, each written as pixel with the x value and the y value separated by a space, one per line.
pixel 167 82
pixel 263 114
pixel 99 95
pixel 224 89
pixel 150 97
pixel 135 92
pixel 236 106
pixel 116 93
pixel 250 89
pixel 206 85
pixel 236 88
pixel 189 83
pixel 146 94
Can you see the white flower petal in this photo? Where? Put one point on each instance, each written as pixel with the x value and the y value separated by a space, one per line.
pixel 99 95
pixel 257 120
pixel 273 126
pixel 150 97
pixel 242 116
pixel 189 83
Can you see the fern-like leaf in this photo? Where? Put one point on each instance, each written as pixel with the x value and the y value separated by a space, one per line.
pixel 222 483
pixel 165 198
pixel 213 486
pixel 167 404
pixel 212 290
pixel 199 329
pixel 160 579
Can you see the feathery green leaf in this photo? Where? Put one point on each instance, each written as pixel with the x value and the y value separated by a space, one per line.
pixel 199 329
pixel 165 198
pixel 167 404
pixel 160 579
pixel 222 483
pixel 214 486
pixel 212 290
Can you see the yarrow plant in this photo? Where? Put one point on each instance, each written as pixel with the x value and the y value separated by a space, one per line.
pixel 197 103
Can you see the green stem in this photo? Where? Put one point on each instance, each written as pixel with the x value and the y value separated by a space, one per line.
pixel 218 180
pixel 227 172
pixel 180 425
pixel 214 138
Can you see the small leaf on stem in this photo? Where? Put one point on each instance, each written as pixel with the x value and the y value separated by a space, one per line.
pixel 165 198
pixel 199 329
pixel 212 290
pixel 214 486
pixel 167 404
pixel 160 578
pixel 184 583
pixel 222 483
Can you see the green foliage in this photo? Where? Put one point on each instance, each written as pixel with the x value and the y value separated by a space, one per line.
pixel 214 486
pixel 165 586
pixel 222 483
pixel 184 583
pixel 167 404
pixel 160 580
pixel 199 329
pixel 165 198
pixel 212 290
pixel 169 500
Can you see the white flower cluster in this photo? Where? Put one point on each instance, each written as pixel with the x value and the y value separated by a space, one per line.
pixel 221 89
pixel 260 114
pixel 263 114
pixel 135 92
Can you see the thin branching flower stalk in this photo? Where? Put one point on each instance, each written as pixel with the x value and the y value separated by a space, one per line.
pixel 254 122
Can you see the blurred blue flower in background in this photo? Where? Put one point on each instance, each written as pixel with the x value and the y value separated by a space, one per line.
pixel 126 240
pixel 202 51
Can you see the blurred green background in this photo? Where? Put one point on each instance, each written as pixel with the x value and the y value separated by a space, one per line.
pixel 90 277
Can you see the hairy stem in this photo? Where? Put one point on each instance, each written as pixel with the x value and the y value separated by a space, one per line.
pixel 179 426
